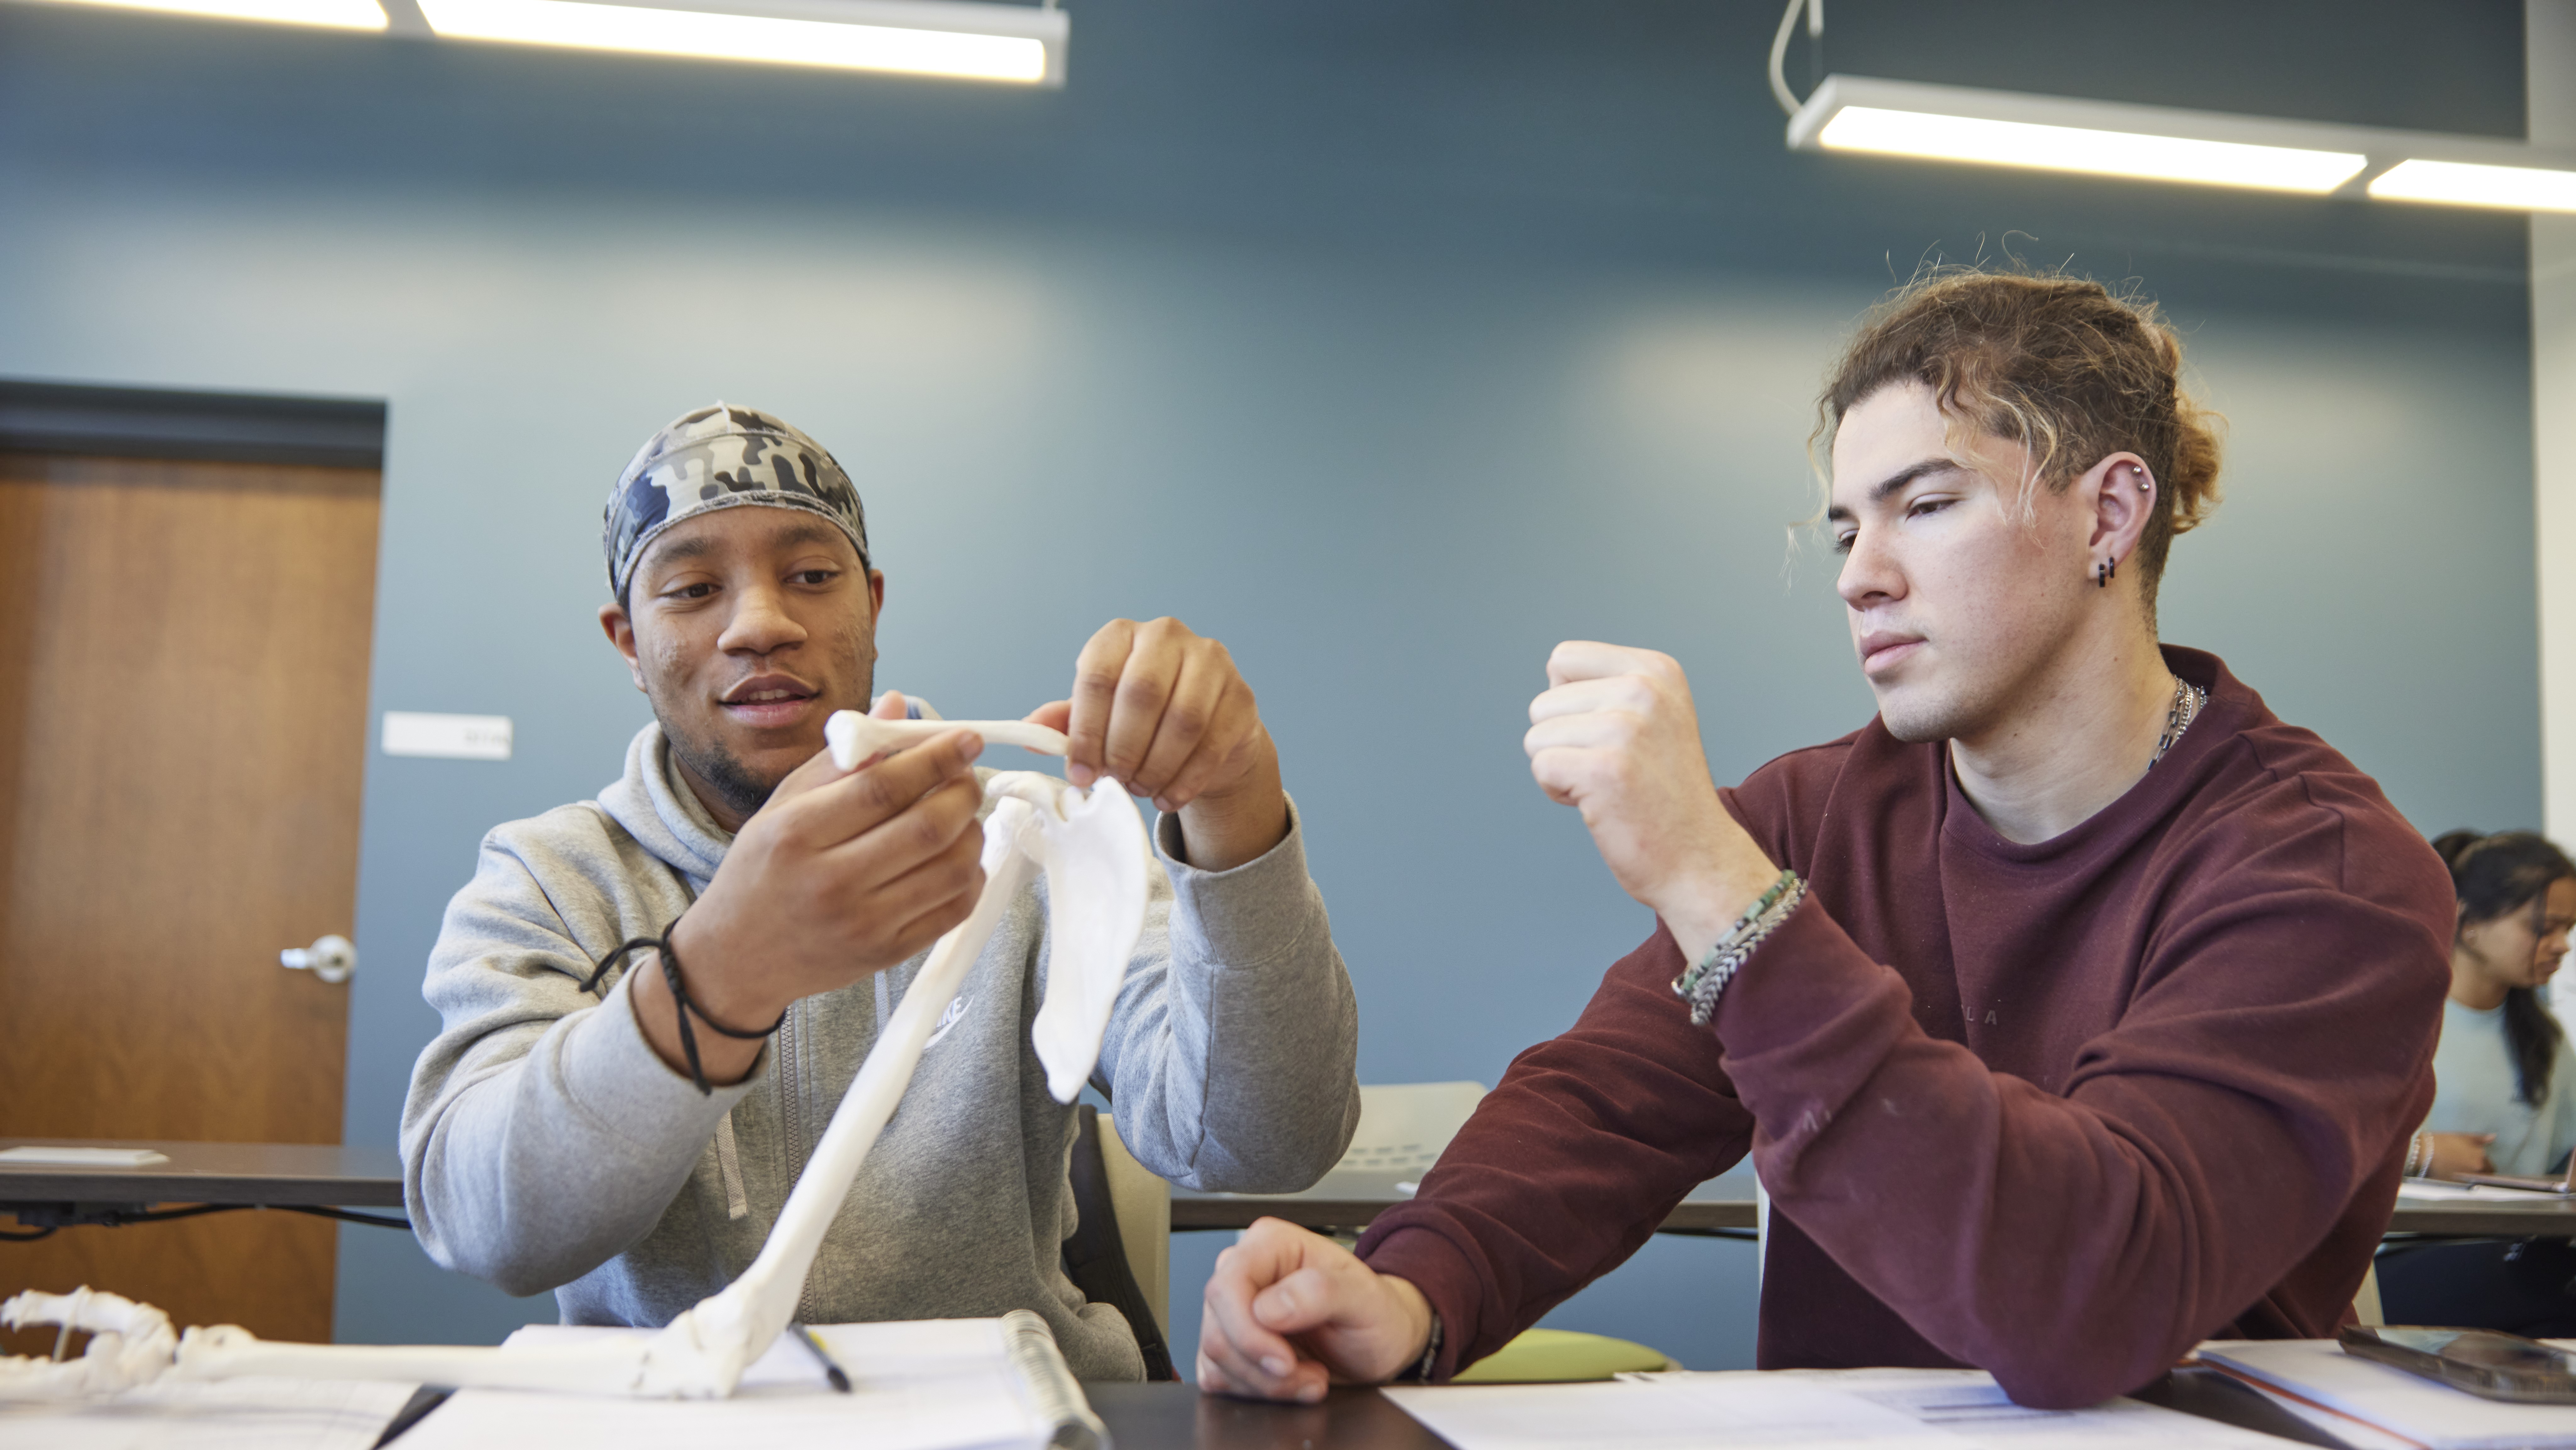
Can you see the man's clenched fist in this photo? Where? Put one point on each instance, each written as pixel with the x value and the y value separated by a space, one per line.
pixel 1616 737
pixel 1290 1312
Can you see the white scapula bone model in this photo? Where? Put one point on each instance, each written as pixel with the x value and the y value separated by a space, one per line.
pixel 1091 847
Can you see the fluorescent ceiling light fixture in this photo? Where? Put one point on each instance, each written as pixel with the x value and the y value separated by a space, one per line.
pixel 2460 183
pixel 1955 123
pixel 2074 148
pixel 336 14
pixel 2165 143
pixel 968 41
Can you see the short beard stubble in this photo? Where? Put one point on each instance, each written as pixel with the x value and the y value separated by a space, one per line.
pixel 744 793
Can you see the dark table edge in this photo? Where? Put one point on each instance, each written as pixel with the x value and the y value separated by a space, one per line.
pixel 20 1185
pixel 2556 1220
pixel 1192 1213
pixel 2201 1393
pixel 379 1185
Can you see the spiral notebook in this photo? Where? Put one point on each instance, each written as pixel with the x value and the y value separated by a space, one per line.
pixel 932 1384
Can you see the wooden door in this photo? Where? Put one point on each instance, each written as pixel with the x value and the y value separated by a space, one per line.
pixel 183 688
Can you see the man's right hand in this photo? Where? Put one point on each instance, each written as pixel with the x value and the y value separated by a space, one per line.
pixel 1290 1312
pixel 839 876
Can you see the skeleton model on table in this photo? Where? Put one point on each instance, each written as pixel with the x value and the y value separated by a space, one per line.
pixel 1091 847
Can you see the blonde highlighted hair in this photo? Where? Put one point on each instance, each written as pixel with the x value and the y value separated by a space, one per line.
pixel 2054 363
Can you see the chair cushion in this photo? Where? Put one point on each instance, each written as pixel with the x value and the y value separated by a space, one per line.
pixel 1559 1356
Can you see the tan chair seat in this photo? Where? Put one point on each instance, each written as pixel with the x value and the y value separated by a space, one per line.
pixel 1562 1356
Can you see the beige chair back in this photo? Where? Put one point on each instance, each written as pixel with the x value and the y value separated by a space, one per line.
pixel 1143 1204
pixel 1405 1125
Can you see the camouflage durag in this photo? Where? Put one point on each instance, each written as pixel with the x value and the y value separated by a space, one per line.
pixel 714 458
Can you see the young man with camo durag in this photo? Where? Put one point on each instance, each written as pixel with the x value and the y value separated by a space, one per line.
pixel 598 1146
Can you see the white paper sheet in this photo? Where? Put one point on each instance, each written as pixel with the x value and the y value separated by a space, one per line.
pixel 927 1385
pixel 1969 1404
pixel 242 1414
pixel 1799 1410
pixel 2352 1432
pixel 1759 1414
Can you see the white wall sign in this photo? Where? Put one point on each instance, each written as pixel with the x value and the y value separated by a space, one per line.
pixel 447 737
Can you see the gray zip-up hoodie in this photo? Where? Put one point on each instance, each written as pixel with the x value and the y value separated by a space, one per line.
pixel 545 1145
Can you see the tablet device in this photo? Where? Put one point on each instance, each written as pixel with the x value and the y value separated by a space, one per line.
pixel 2483 1362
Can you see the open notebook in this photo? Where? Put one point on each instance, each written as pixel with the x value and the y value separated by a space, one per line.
pixel 2333 1390
pixel 934 1384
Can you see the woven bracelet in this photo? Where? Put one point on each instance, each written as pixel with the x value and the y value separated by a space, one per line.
pixel 1701 985
pixel 1689 981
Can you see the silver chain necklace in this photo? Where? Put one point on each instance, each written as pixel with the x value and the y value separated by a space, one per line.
pixel 2187 702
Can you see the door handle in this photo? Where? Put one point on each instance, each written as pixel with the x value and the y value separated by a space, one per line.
pixel 332 958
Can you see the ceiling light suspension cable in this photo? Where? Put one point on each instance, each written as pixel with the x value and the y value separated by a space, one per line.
pixel 1815 9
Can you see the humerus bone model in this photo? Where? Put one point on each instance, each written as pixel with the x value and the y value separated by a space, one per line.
pixel 1090 845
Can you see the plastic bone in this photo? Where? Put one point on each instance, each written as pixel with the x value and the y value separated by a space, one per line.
pixel 129 1344
pixel 854 737
pixel 1094 856
pixel 1091 847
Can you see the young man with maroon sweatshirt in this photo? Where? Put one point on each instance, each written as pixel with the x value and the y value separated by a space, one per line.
pixel 2074 1010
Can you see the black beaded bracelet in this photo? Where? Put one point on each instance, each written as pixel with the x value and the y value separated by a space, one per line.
pixel 1419 1372
pixel 680 1003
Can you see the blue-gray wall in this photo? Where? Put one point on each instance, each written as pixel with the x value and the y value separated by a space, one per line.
pixel 1389 340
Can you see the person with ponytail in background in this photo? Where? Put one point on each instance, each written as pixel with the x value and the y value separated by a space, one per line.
pixel 2505 1095
pixel 2505 1100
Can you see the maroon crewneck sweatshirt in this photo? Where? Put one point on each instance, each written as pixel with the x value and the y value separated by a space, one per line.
pixel 2057 1111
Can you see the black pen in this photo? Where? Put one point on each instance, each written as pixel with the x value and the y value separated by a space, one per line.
pixel 813 1346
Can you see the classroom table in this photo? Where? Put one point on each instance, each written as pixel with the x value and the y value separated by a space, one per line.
pixel 331 1175
pixel 366 1177
pixel 314 1175
pixel 2537 1215
pixel 1141 1417
pixel 1178 1417
pixel 1348 1199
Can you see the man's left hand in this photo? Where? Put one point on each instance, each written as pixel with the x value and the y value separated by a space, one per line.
pixel 1166 714
pixel 1616 737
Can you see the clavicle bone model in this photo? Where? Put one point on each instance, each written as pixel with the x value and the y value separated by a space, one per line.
pixel 854 737
pixel 1091 847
